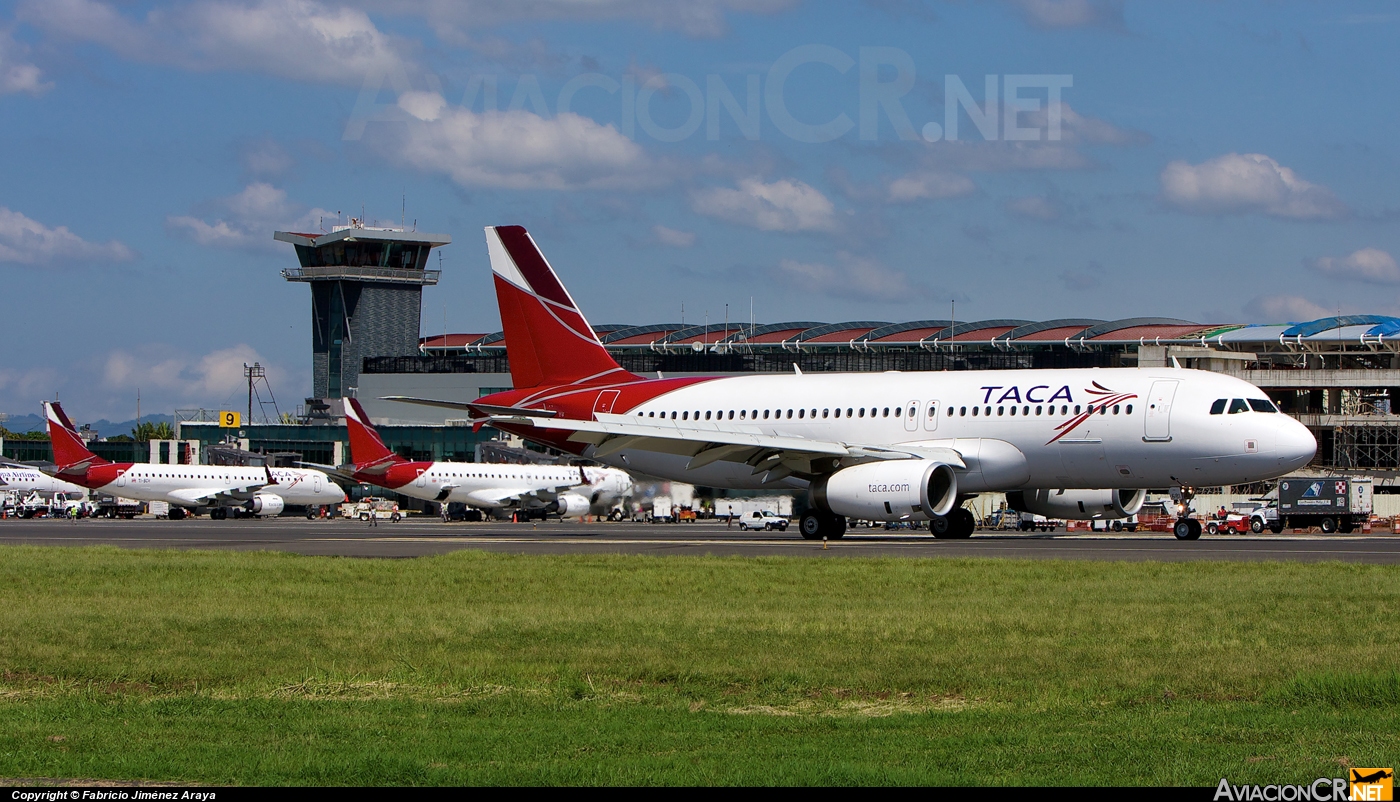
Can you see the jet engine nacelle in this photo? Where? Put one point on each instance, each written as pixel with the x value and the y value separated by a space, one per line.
pixel 265 504
pixel 569 505
pixel 889 490
pixel 1078 505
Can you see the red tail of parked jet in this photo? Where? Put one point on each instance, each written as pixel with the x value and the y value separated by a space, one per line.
pixel 548 340
pixel 69 452
pixel 367 448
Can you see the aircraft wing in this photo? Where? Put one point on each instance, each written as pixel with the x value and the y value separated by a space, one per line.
pixel 335 473
pixel 778 455
pixel 194 496
pixel 205 495
pixel 473 407
pixel 495 496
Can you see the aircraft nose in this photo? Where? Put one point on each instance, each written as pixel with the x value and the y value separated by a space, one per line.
pixel 1295 445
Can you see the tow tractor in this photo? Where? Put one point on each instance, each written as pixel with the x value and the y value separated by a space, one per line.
pixel 1233 523
pixel 372 506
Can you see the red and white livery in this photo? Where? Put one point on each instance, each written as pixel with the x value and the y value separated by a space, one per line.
pixel 887 446
pixel 261 491
pixel 533 489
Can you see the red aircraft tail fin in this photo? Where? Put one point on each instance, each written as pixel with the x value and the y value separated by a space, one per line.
pixel 366 447
pixel 548 341
pixel 68 448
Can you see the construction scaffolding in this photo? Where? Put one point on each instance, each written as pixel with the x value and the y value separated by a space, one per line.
pixel 1376 447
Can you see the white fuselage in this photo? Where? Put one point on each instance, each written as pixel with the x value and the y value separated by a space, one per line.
pixel 23 481
pixel 223 485
pixel 1016 428
pixel 495 485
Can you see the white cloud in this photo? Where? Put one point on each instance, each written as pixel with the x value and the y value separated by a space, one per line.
pixel 784 205
pixel 513 149
pixel 248 218
pixel 1285 309
pixel 1000 156
pixel 22 389
pixel 16 73
pixel 971 153
pixel 930 184
pixel 672 237
pixel 1071 13
pixel 1035 207
pixel 302 40
pixel 27 241
pixel 1250 182
pixel 852 277
pixel 1077 128
pixel 265 158
pixel 104 384
pixel 701 18
pixel 181 377
pixel 1368 264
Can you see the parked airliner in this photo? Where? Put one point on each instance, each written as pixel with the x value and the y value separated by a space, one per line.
pixel 261 491
pixel 892 446
pixel 25 479
pixel 567 491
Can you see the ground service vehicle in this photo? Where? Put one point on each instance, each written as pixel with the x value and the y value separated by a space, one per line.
pixel 894 446
pixel 109 506
pixel 662 511
pixel 767 520
pixel 1234 524
pixel 1330 503
pixel 372 507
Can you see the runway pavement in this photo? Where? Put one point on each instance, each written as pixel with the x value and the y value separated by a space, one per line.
pixel 430 536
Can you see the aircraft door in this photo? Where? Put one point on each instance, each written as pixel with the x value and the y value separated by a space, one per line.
pixel 605 402
pixel 422 478
pixel 316 483
pixel 1159 410
pixel 121 479
pixel 931 416
pixel 911 416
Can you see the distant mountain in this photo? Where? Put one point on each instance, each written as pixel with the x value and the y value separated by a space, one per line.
pixel 104 427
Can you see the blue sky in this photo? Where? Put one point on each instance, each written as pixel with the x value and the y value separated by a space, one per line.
pixel 1214 162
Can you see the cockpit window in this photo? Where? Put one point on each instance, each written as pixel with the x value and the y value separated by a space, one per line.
pixel 1262 405
pixel 1218 407
pixel 1238 405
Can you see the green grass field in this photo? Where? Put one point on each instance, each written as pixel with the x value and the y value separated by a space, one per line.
pixel 479 668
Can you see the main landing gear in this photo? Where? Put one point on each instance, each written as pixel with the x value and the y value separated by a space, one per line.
pixel 957 524
pixel 816 525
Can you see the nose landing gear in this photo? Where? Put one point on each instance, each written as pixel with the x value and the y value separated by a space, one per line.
pixel 1186 527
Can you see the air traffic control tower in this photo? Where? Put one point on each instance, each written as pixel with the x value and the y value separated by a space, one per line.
pixel 366 296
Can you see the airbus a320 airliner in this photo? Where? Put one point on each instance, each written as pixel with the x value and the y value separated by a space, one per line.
pixel 888 447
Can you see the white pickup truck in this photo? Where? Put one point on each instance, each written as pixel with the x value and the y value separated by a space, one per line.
pixel 767 520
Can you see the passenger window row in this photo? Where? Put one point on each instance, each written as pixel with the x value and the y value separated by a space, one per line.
pixel 884 412
pixel 1027 411
pixel 1238 405
pixel 776 414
